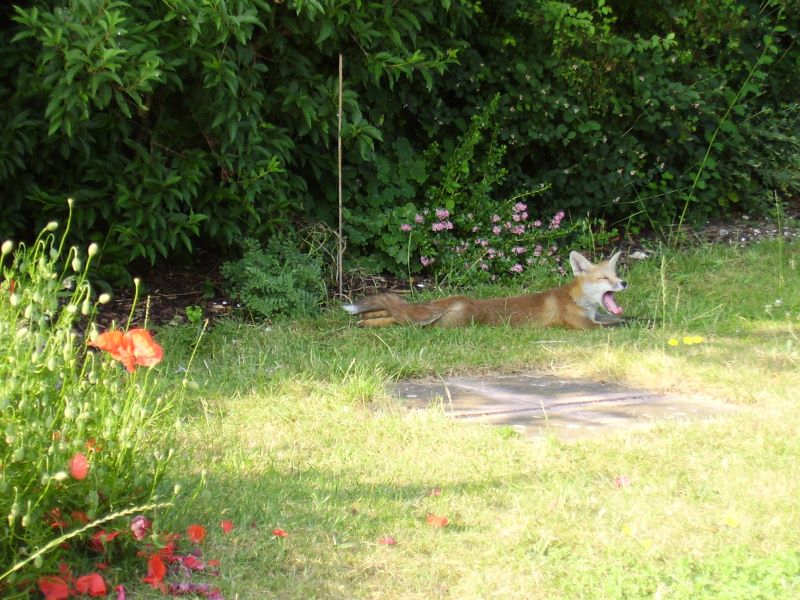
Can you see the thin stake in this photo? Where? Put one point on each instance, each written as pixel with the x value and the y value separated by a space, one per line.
pixel 339 146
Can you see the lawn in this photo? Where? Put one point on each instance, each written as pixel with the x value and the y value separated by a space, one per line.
pixel 289 428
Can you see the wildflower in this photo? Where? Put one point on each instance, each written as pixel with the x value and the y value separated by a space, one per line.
pixel 135 347
pixel 140 527
pixel 692 339
pixel 518 250
pixel 518 229
pixel 556 220
pixel 520 207
pixel 425 261
pixel 496 230
pixel 537 223
pixel 517 217
pixel 442 213
pixel 419 219
pixel 621 481
pixel 405 227
pixel 387 540
pixel 672 342
pixel 227 526
pixel 280 533
pixel 517 268
pixel 196 533
pixel 496 218
pixel 538 250
pixel 78 466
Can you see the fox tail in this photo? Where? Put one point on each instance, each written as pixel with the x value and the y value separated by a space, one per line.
pixel 389 309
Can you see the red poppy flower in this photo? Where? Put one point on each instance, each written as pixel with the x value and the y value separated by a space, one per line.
pixel 196 533
pixel 437 521
pixel 227 526
pixel 140 526
pixel 156 571
pixel 53 587
pixel 92 584
pixel 136 347
pixel 78 466
pixel 279 533
pixel 120 589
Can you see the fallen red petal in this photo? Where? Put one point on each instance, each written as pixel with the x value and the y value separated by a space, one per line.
pixel 92 584
pixel 53 587
pixel 387 540
pixel 140 527
pixel 196 533
pixel 227 526
pixel 437 521
pixel 156 571
pixel 279 533
pixel 621 481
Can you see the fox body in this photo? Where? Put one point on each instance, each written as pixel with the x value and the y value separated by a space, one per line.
pixel 574 305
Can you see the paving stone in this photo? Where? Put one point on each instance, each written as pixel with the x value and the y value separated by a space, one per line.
pixel 536 404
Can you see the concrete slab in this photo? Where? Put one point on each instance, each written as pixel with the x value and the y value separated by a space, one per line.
pixel 536 404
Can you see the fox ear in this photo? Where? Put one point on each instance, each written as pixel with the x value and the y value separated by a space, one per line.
pixel 612 262
pixel 580 264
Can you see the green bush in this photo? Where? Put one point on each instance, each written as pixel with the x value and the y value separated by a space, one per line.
pixel 80 437
pixel 185 123
pixel 277 281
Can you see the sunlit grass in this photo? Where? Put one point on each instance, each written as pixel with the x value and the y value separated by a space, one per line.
pixel 293 429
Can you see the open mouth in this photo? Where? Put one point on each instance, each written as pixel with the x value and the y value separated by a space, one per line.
pixel 610 305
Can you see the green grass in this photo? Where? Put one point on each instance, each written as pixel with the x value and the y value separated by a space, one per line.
pixel 292 429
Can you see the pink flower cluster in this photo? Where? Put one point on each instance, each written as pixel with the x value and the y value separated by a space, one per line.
pixel 441 226
pixel 556 221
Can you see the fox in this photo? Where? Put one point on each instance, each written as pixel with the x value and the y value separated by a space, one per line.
pixel 575 305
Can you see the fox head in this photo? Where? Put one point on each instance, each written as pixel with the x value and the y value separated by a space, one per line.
pixel 597 282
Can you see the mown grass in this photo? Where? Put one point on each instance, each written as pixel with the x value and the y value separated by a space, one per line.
pixel 292 429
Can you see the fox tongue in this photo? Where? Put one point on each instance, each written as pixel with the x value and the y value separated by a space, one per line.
pixel 610 305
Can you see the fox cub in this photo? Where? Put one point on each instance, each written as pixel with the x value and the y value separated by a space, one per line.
pixel 574 305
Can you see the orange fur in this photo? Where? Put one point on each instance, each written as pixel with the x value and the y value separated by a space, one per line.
pixel 573 305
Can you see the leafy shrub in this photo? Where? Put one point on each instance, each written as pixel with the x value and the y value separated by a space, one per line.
pixel 463 232
pixel 175 123
pixel 80 437
pixel 191 122
pixel 277 281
